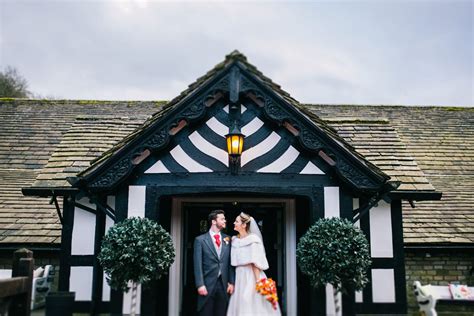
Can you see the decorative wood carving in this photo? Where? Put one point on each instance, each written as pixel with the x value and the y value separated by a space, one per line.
pixel 157 140
pixel 113 174
pixel 195 110
pixel 310 140
pixel 275 112
pixel 221 85
pixel 247 85
pixel 352 174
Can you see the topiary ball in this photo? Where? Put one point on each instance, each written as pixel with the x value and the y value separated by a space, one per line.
pixel 334 251
pixel 137 250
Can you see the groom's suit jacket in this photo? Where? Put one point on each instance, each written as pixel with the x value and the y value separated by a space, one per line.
pixel 207 265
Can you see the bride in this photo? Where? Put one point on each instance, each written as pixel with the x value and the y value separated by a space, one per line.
pixel 248 256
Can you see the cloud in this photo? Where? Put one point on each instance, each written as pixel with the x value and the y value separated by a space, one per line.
pixel 413 52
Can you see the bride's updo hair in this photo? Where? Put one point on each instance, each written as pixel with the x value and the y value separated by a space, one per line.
pixel 245 219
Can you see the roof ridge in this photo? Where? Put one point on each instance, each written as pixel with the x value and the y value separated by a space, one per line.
pixel 410 106
pixel 236 55
pixel 65 102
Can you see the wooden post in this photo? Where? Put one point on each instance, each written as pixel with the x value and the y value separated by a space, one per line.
pixel 23 264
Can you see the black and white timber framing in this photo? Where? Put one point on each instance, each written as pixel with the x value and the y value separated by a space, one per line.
pixel 180 156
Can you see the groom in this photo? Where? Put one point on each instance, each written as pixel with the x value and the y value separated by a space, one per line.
pixel 213 273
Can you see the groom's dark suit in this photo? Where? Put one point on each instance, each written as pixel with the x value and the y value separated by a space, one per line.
pixel 207 265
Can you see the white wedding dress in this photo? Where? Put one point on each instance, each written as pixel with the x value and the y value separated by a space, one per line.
pixel 246 301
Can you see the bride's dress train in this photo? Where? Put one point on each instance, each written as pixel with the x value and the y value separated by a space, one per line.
pixel 246 301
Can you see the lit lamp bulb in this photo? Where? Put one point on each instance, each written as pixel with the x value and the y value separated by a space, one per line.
pixel 235 144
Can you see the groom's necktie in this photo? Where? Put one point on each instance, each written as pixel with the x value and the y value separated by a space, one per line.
pixel 218 240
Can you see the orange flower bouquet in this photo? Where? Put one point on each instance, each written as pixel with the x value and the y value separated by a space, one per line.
pixel 267 288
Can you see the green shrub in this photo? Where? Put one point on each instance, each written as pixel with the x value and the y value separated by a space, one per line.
pixel 137 250
pixel 334 251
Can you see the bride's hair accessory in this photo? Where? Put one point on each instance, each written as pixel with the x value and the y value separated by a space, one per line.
pixel 245 219
pixel 252 226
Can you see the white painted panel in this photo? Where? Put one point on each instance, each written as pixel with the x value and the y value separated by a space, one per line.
pixel 381 239
pixel 331 202
pixel 330 306
pixel 105 290
pixel 358 294
pixel 260 149
pixel 311 168
pixel 217 127
pixel 111 201
pixel 252 126
pixel 5 273
pixel 127 300
pixel 383 286
pixel 355 205
pixel 136 201
pixel 226 109
pixel 209 149
pixel 80 281
pixel 187 162
pixel 283 162
pixel 108 223
pixel 83 230
pixel 158 167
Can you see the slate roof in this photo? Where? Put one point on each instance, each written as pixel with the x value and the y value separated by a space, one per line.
pixel 33 132
pixel 88 138
pixel 43 142
pixel 441 142
pixel 437 153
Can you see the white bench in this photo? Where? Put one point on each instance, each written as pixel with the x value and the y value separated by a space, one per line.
pixel 42 284
pixel 427 296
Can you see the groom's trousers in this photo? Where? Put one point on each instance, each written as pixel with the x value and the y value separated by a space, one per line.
pixel 216 304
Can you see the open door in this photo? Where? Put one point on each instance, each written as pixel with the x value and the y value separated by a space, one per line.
pixel 269 217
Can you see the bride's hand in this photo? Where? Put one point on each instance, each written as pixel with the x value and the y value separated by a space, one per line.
pixel 230 288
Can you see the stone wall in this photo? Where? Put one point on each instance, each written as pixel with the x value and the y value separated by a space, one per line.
pixel 439 268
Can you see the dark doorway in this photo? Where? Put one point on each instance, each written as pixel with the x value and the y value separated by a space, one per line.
pixel 269 217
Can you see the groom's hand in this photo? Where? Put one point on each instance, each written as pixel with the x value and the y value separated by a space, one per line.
pixel 202 290
pixel 230 288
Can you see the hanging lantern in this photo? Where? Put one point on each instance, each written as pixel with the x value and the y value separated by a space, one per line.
pixel 235 144
pixel 235 141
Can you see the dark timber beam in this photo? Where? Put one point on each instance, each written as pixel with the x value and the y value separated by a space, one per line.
pixel 58 209
pixel 234 86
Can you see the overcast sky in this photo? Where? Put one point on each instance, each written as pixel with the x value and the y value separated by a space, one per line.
pixel 351 52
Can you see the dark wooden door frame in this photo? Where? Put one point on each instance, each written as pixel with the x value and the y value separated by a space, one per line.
pixel 175 276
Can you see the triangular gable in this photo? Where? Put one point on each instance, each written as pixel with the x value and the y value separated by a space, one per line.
pixel 235 80
pixel 266 150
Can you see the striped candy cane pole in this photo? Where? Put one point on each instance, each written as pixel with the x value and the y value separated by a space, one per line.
pixel 337 302
pixel 134 299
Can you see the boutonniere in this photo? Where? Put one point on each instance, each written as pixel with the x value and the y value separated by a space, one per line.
pixel 227 240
